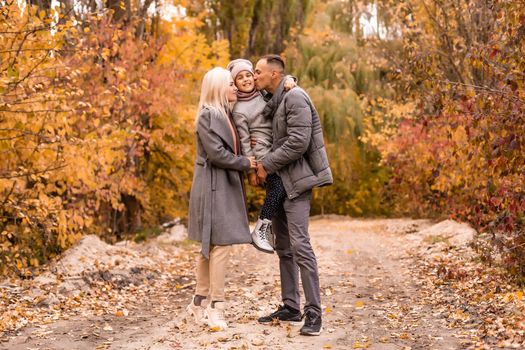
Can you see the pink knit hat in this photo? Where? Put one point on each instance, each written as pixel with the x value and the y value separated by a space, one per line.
pixel 238 65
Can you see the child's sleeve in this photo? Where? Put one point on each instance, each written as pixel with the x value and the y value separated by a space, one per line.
pixel 241 122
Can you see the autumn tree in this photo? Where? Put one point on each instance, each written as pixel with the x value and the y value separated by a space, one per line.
pixel 96 126
pixel 461 152
pixel 253 27
pixel 335 66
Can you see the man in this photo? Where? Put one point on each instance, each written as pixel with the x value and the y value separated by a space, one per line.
pixel 298 157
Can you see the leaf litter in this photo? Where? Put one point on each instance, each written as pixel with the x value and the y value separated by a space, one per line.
pixel 382 281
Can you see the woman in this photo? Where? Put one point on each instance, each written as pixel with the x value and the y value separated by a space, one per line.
pixel 217 215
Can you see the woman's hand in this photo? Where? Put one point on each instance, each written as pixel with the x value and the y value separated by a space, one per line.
pixel 252 178
pixel 253 162
pixel 289 84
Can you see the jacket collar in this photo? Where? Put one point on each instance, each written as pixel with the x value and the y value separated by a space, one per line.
pixel 275 101
pixel 220 126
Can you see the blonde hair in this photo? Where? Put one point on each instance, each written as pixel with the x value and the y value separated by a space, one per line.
pixel 214 91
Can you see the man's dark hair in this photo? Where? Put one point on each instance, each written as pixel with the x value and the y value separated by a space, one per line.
pixel 275 60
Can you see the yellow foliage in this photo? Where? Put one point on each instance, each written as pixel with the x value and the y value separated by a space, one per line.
pixel 96 131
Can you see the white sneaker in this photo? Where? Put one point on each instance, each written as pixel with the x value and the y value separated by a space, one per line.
pixel 197 312
pixel 214 316
pixel 261 235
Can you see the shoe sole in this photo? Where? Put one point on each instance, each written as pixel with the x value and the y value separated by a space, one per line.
pixel 312 333
pixel 213 328
pixel 293 323
pixel 217 328
pixel 262 250
pixel 191 314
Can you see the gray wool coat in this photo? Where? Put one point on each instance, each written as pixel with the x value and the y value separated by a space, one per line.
pixel 217 210
pixel 298 153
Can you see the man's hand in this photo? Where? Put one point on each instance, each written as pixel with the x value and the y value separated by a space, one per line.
pixel 252 178
pixel 261 173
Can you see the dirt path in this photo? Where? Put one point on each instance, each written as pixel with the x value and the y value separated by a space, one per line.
pixel 370 300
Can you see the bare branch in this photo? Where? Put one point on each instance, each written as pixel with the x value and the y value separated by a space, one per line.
pixel 29 173
pixel 480 87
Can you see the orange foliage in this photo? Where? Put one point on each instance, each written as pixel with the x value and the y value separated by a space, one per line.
pixel 464 153
pixel 96 128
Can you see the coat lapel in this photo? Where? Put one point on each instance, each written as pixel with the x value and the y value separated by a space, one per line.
pixel 220 126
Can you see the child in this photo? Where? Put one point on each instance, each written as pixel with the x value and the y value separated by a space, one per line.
pixel 251 124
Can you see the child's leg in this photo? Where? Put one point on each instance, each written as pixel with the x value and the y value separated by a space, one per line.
pixel 275 195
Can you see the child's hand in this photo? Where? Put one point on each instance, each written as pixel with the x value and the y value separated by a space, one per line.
pixel 261 173
pixel 253 142
pixel 289 84
pixel 252 179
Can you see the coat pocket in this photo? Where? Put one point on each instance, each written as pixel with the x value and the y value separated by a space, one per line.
pixel 201 161
pixel 316 154
pixel 318 160
pixel 299 170
pixel 213 178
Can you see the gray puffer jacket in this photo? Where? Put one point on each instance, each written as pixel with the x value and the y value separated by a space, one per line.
pixel 298 153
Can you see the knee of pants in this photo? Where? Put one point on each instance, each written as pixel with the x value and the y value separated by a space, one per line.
pixel 284 253
pixel 303 251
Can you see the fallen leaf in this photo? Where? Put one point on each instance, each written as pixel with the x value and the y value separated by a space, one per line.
pixel 359 305
pixel 361 345
pixel 460 315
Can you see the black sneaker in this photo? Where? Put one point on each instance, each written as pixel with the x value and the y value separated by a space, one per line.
pixel 283 313
pixel 312 323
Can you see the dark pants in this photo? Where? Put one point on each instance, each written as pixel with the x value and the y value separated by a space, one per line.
pixel 275 194
pixel 296 255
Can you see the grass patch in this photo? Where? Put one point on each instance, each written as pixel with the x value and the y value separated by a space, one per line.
pixel 147 233
pixel 434 239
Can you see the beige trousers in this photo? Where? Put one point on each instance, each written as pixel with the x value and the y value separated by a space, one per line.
pixel 211 274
